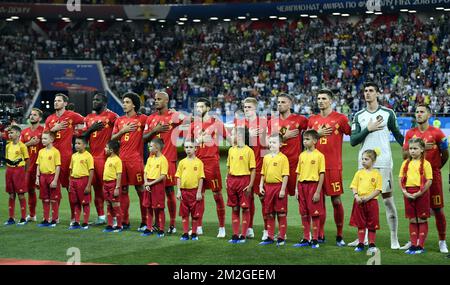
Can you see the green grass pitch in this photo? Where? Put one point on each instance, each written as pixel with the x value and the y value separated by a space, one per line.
pixel 31 242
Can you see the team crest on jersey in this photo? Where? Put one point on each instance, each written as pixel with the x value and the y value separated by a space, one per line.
pixel 241 157
pixel 275 164
pixel 17 152
pixel 195 168
pixel 373 180
pixel 283 131
pixel 297 125
pixel 313 162
pixel 50 157
pixel 157 166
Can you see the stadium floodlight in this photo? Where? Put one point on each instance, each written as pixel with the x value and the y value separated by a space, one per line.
pixel 404 10
pixel 272 17
pixel 183 19
pixel 412 11
pixel 90 19
pixel 196 20
pixel 65 18
pixel 161 20
pixel 180 23
pixel 370 12
pixel 447 9
pixel 42 20
pixel 129 21
pixel 313 16
pixel 15 17
pixel 282 18
pixel 431 18
pixel 153 19
pixel 254 19
pixel 378 13
pixel 214 18
pixel 119 19
pixel 227 20
pixel 338 14
pixel 241 17
pixel 100 21
pixel 345 15
pixel 439 8
pixel 9 20
pixel 304 15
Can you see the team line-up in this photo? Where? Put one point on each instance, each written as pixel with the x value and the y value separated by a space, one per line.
pixel 290 156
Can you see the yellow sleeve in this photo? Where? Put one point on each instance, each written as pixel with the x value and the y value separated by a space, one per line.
pixel 90 162
pixel 202 171
pixel 400 174
pixel 7 151
pixel 379 185
pixel 321 163
pixel 355 181
pixel 71 162
pixel 119 166
pixel 39 157
pixel 24 150
pixel 147 166
pixel 252 159
pixel 263 169
pixel 299 164
pixel 285 167
pixel 428 171
pixel 57 158
pixel 180 166
pixel 228 157
pixel 164 166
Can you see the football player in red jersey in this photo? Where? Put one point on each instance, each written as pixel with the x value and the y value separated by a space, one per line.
pixel 31 137
pixel 98 130
pixel 257 126
pixel 64 124
pixel 290 126
pixel 436 152
pixel 206 131
pixel 331 127
pixel 128 130
pixel 163 124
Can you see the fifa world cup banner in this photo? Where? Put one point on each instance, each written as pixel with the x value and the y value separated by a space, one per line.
pixel 54 76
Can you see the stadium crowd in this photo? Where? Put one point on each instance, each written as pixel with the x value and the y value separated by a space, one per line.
pixel 230 61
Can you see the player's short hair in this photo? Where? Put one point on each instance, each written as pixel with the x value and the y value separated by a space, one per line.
pixel 63 96
pixel 286 95
pixel 371 153
pixel 425 106
pixel 251 100
pixel 114 146
pixel 50 134
pixel 164 93
pixel 103 96
pixel 311 133
pixel 326 91
pixel 134 98
pixel 417 141
pixel 39 111
pixel 159 142
pixel 205 101
pixel 82 138
pixel 371 84
pixel 15 128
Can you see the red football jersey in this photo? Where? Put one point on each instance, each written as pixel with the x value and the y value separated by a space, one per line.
pixel 213 128
pixel 293 146
pixel 256 143
pixel 33 151
pixel 169 138
pixel 331 146
pixel 131 144
pixel 63 140
pixel 430 135
pixel 99 139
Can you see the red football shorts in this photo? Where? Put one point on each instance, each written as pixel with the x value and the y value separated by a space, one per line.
pixel 30 178
pixel 64 173
pixel 189 204
pixel 76 191
pixel 436 194
pixel 45 192
pixel 108 191
pixel 306 206
pixel 332 184
pixel 419 207
pixel 272 201
pixel 365 215
pixel 132 173
pixel 155 199
pixel 292 180
pixel 15 182
pixel 99 167
pixel 171 180
pixel 235 190
pixel 213 178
